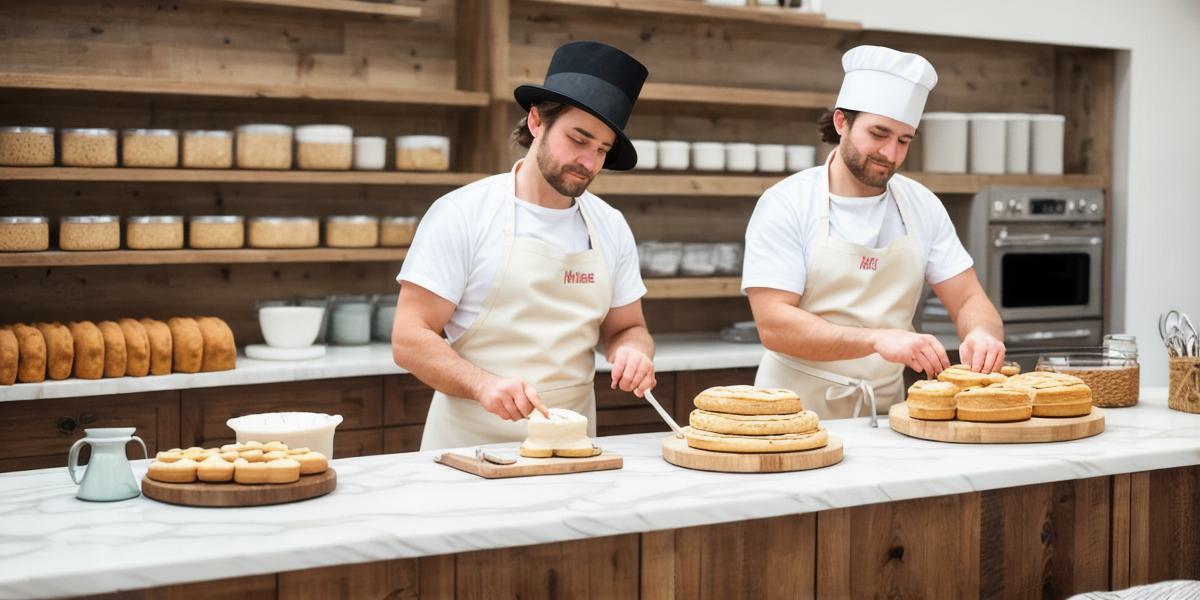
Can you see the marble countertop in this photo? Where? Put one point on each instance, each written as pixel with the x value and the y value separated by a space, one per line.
pixel 405 505
pixel 675 352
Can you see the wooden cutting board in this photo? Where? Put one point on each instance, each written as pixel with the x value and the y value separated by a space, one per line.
pixel 677 452
pixel 1035 430
pixel 236 494
pixel 525 467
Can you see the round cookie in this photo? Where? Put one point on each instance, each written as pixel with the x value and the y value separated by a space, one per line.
pixel 755 444
pixel 31 349
pixel 60 349
pixel 187 345
pixel 283 470
pixel 159 336
pixel 251 455
pixel 748 400
pixel 1054 394
pixel 311 463
pixel 137 348
pixel 10 356
pixel 1010 369
pixel 115 359
pixel 801 422
pixel 215 469
pixel 89 350
pixel 249 473
pixel 993 403
pixel 220 350
pixel 964 377
pixel 180 471
pixel 932 400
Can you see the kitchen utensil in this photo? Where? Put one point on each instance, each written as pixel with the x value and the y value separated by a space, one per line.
pixel 523 467
pixel 1036 429
pixel 290 326
pixel 677 452
pixel 1178 334
pixel 496 459
pixel 664 414
pixel 109 476
pixel 237 494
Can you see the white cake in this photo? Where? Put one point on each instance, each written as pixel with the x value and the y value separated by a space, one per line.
pixel 563 433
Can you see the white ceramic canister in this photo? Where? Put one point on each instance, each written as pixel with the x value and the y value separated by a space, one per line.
pixel 800 158
pixel 708 156
pixel 944 142
pixel 370 153
pixel 647 154
pixel 772 158
pixel 674 155
pixel 1046 143
pixel 740 157
pixel 1016 143
pixel 987 142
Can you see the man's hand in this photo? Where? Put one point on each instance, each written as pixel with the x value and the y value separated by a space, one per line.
pixel 632 371
pixel 921 352
pixel 511 398
pixel 983 352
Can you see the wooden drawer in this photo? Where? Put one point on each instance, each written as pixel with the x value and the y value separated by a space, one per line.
pixel 38 433
pixel 607 397
pixel 405 438
pixel 405 400
pixel 357 399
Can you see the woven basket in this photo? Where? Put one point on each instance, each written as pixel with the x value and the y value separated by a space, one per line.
pixel 1184 382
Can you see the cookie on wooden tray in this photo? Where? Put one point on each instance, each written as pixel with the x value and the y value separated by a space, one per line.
pixel 964 377
pixel 180 471
pixel 31 350
pixel 250 473
pixel 994 403
pixel 220 350
pixel 713 422
pixel 60 350
pixel 187 345
pixel 748 400
pixel 311 463
pixel 932 400
pixel 283 470
pixel 1010 369
pixel 137 348
pixel 89 350
pixel 1054 394
pixel 10 355
pixel 161 349
pixel 215 469
pixel 755 444
pixel 115 359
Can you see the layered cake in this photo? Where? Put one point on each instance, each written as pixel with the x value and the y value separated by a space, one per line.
pixel 747 419
pixel 993 403
pixel 563 433
pixel 932 400
pixel 1054 394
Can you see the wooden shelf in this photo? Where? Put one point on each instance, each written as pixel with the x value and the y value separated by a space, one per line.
pixel 134 85
pixel 724 96
pixel 359 7
pixel 760 15
pixel 121 174
pixel 59 258
pixel 752 186
pixel 950 183
pixel 678 288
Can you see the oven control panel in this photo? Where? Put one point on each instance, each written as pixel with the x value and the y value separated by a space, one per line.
pixel 1049 204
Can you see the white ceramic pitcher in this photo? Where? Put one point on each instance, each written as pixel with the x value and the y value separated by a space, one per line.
pixel 109 476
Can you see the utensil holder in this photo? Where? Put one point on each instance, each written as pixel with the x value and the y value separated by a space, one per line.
pixel 1184 384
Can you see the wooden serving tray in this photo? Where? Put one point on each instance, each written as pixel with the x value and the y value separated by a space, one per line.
pixel 237 494
pixel 525 467
pixel 1034 430
pixel 677 452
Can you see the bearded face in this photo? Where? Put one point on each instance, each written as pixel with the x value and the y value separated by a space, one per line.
pixel 569 180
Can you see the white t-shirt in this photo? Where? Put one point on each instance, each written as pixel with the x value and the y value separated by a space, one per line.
pixel 788 215
pixel 459 243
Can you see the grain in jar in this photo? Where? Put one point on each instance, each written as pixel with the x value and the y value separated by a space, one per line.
pixel 208 149
pixel 262 146
pixel 209 232
pixel 324 147
pixel 154 232
pixel 352 231
pixel 150 148
pixel 1115 381
pixel 27 146
pixel 24 234
pixel 397 232
pixel 99 232
pixel 422 153
pixel 283 232
pixel 89 147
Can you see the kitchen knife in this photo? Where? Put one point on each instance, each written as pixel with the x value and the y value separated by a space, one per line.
pixel 662 413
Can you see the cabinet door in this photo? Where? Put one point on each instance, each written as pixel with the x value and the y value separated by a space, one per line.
pixel 619 412
pixel 404 438
pixel 36 434
pixel 405 400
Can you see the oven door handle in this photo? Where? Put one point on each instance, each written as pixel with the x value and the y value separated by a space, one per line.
pixel 1044 240
pixel 1037 336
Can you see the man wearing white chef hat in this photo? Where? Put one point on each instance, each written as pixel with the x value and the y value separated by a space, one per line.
pixel 836 255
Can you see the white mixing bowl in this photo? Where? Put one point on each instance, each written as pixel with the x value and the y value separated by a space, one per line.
pixel 290 326
pixel 296 429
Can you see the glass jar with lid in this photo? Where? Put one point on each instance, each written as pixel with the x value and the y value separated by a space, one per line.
pixel 351 231
pixel 1121 344
pixel 216 231
pixel 150 148
pixel 1115 380
pixel 24 234
pixel 350 321
pixel 207 149
pixel 89 147
pixel 283 232
pixel 156 232
pixel 90 232
pixel 27 146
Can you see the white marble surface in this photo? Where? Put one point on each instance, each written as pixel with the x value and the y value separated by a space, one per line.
pixel 405 505
pixel 675 352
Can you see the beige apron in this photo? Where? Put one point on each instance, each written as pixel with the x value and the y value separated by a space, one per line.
pixel 852 285
pixel 540 321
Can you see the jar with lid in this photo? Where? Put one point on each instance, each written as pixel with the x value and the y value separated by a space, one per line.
pixel 351 231
pixel 320 302
pixel 324 147
pixel 699 260
pixel 98 232
pixel 384 317
pixel 395 232
pixel 283 232
pixel 422 153
pixel 24 234
pixel 209 232
pixel 27 146
pixel 83 147
pixel 1122 345
pixel 150 148
pixel 370 153
pixel 350 321
pixel 154 232
pixel 1114 379
pixel 264 146
pixel 208 149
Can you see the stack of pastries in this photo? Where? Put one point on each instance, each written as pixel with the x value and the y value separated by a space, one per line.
pixel 750 420
pixel 87 350
pixel 963 394
pixel 249 463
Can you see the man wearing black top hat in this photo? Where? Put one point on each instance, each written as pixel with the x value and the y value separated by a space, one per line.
pixel 523 273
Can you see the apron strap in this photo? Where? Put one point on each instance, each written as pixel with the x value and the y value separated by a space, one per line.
pixel 864 387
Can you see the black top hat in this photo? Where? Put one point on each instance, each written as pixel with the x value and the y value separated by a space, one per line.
pixel 597 78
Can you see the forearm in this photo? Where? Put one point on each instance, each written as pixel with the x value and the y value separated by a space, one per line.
pixel 978 313
pixel 636 337
pixel 799 333
pixel 427 356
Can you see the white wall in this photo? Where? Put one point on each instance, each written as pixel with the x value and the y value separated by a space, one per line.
pixel 1157 158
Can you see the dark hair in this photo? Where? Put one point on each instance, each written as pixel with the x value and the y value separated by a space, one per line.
pixel 825 127
pixel 548 110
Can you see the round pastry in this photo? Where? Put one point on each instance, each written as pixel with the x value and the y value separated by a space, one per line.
pixel 713 422
pixel 89 350
pixel 311 463
pixel 215 469
pixel 230 455
pixel 168 456
pixel 137 348
pixel 115 360
pixel 233 448
pixel 748 400
pixel 283 470
pixel 755 444
pixel 1010 369
pixel 31 349
pixel 180 471
pixel 187 345
pixel 251 455
pixel 1054 394
pixel 274 455
pixel 196 455
pixel 298 451
pixel 220 350
pixel 249 472
pixel 273 446
pixel 932 400
pixel 252 445
pixel 10 356
pixel 60 349
pixel 992 404
pixel 160 346
pixel 964 377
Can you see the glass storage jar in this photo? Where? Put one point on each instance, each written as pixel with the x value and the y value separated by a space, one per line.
pixel 84 147
pixel 283 232
pixel 24 234
pixel 1114 380
pixel 154 232
pixel 422 153
pixel 207 149
pixel 27 146
pixel 150 148
pixel 324 147
pixel 264 146
pixel 395 232
pixel 352 231
pixel 384 317
pixel 370 153
pixel 350 321
pixel 208 232
pixel 98 232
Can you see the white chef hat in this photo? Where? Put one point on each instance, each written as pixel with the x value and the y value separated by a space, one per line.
pixel 886 82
